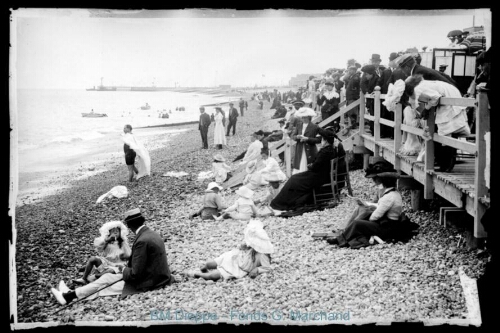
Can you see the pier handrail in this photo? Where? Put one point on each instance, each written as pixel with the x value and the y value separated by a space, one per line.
pixel 478 149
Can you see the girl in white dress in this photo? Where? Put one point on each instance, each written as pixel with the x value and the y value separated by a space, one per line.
pixel 219 132
pixel 412 144
pixel 134 148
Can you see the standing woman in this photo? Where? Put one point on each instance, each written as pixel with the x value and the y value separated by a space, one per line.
pixel 219 133
pixel 306 136
pixel 133 148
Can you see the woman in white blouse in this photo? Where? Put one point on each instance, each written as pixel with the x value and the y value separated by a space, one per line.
pixel 383 216
pixel 133 148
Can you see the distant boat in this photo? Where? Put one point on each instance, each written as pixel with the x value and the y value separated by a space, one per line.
pixel 94 115
pixel 146 107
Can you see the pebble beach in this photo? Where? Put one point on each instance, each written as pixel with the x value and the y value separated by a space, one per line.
pixel 415 281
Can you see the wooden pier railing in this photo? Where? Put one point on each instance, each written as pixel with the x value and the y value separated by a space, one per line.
pixel 465 187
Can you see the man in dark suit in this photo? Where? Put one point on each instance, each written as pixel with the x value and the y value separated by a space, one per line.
pixel 233 117
pixel 242 105
pixel 352 80
pixel 203 127
pixel 147 267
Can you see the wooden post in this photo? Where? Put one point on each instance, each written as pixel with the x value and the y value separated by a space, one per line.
pixel 417 198
pixel 362 110
pixel 482 126
pixel 376 121
pixel 429 156
pixel 288 156
pixel 398 117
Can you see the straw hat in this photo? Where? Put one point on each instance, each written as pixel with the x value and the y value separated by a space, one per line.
pixel 298 101
pixel 251 166
pixel 212 185
pixel 274 177
pixel 256 237
pixel 244 192
pixel 381 169
pixel 305 112
pixel 134 215
pixel 219 157
pixel 106 227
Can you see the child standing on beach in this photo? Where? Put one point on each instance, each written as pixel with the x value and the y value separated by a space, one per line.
pixel 242 209
pixel 113 249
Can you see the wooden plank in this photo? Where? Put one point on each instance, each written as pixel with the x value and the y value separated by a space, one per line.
pixel 458 144
pixel 288 156
pixel 429 157
pixel 412 130
pixel 339 113
pixel 482 126
pixel 448 191
pixel 362 109
pixel 398 118
pixel 369 117
pixel 386 122
pixel 457 101
pixel 376 127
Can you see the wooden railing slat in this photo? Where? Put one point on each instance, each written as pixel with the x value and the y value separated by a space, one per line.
pixel 456 101
pixel 461 145
pixel 429 158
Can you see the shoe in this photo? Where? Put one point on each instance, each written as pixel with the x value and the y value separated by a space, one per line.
pixel 79 281
pixel 332 241
pixel 203 269
pixel 58 295
pixel 91 278
pixel 63 287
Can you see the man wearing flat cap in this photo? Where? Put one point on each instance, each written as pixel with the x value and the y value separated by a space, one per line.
pixel 147 267
pixel 233 117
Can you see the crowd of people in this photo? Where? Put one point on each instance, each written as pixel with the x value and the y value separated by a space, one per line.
pixel 119 269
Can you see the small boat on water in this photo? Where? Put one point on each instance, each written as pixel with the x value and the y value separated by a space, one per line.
pixel 94 115
pixel 146 107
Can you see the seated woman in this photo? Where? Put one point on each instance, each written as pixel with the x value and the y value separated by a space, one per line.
pixel 253 179
pixel 297 191
pixel 253 150
pixel 212 203
pixel 252 258
pixel 365 208
pixel 243 208
pixel 382 221
pixel 220 169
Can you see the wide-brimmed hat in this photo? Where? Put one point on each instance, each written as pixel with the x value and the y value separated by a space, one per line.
pixel 251 166
pixel 257 238
pixel 352 67
pixel 244 192
pixel 311 77
pixel 305 112
pixel 369 69
pixel 328 134
pixel 273 177
pixel 219 157
pixel 443 66
pixel 213 185
pixel 298 101
pixel 406 59
pixel 375 57
pixel 329 82
pixel 381 169
pixel 106 227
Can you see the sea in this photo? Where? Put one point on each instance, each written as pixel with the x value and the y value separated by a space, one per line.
pixel 51 122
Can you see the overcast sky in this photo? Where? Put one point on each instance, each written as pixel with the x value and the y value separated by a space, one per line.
pixel 75 48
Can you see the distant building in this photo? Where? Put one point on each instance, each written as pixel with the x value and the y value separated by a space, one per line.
pixel 300 80
pixel 225 86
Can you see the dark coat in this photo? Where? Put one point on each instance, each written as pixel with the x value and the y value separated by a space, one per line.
pixel 204 121
pixel 298 189
pixel 147 267
pixel 383 81
pixel 311 132
pixel 353 87
pixel 233 114
pixel 431 74
pixel 397 74
pixel 328 106
pixel 367 86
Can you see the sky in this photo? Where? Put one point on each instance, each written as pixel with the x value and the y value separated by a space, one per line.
pixel 73 49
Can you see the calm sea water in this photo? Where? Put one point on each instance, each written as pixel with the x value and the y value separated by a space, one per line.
pixel 54 117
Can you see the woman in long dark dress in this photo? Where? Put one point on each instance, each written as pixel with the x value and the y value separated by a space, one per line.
pixel 306 136
pixel 297 191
